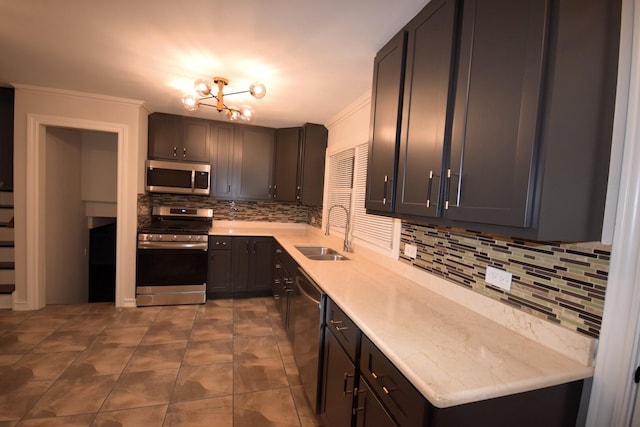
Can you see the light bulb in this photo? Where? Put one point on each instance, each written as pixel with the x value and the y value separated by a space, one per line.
pixel 257 90
pixel 202 87
pixel 233 113
pixel 246 113
pixel 190 102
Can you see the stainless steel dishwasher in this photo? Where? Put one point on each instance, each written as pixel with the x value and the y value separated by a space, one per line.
pixel 307 317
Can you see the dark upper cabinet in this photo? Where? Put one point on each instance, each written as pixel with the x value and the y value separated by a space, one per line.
pixel 286 173
pixel 507 122
pixel 255 154
pixel 386 113
pixel 6 138
pixel 300 161
pixel 242 161
pixel 495 122
pixel 428 84
pixel 222 159
pixel 180 138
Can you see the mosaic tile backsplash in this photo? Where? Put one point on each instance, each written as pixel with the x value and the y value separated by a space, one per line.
pixel 564 283
pixel 228 210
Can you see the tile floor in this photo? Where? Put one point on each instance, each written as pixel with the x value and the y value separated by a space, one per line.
pixel 227 363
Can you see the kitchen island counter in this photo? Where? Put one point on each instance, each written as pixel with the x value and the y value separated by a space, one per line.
pixel 455 346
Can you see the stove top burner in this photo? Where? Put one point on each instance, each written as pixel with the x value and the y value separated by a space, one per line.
pixel 169 220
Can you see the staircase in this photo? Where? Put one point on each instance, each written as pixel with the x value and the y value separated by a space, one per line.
pixel 7 255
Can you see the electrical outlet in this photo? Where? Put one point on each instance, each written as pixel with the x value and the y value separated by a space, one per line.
pixel 499 278
pixel 410 250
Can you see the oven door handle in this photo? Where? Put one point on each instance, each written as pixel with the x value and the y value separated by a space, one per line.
pixel 173 245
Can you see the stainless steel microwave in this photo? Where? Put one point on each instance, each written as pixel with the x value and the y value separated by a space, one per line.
pixel 178 178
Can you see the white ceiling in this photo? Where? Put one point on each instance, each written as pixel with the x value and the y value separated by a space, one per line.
pixel 314 56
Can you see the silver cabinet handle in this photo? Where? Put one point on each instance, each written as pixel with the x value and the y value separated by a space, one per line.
pixel 336 323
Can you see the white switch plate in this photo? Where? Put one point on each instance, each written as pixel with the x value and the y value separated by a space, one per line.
pixel 410 250
pixel 499 278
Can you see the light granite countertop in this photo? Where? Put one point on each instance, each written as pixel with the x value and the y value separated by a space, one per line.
pixel 454 346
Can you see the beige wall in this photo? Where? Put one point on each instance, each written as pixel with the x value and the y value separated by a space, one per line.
pixel 35 110
pixel 66 262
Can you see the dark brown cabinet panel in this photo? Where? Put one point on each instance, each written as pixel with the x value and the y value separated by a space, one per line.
pixel 300 161
pixel 286 173
pixel 6 139
pixel 311 164
pixel 386 112
pixel 222 159
pixel 427 90
pixel 219 276
pixel 242 161
pixel 338 384
pixel 255 155
pixel 495 124
pixel 369 410
pixel 179 138
pixel 507 117
pixel 252 265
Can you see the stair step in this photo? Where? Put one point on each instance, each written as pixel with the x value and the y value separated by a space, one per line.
pixel 7 277
pixel 6 234
pixel 7 265
pixel 6 198
pixel 7 289
pixel 7 253
pixel 6 215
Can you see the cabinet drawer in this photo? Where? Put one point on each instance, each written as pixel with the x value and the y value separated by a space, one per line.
pixel 397 394
pixel 219 242
pixel 346 332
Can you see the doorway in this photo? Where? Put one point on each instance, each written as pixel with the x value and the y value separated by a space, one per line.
pixel 80 195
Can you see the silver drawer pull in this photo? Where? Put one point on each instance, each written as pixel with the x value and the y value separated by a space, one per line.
pixel 336 323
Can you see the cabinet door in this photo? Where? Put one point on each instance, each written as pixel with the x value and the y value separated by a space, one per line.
pixel 496 112
pixel 261 266
pixel 339 375
pixel 369 410
pixel 219 272
pixel 221 160
pixel 165 136
pixel 426 105
pixel 311 164
pixel 195 140
pixel 386 110
pixel 255 153
pixel 6 139
pixel 241 256
pixel 286 166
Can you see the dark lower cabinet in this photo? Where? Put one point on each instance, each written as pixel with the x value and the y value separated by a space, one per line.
pixel 338 384
pixel 369 411
pixel 362 387
pixel 252 265
pixel 239 266
pixel 219 275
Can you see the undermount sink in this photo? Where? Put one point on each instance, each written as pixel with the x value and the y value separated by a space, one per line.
pixel 321 253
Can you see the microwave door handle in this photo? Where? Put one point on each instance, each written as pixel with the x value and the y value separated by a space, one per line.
pixel 193 179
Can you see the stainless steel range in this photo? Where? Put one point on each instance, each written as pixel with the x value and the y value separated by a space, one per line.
pixel 172 257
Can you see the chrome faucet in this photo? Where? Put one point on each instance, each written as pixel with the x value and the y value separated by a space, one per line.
pixel 347 244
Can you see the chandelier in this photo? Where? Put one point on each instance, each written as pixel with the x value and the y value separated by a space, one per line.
pixel 204 94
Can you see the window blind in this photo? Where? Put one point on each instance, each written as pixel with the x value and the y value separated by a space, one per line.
pixel 347 187
pixel 340 188
pixel 377 230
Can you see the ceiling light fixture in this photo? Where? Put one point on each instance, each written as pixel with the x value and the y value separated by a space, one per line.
pixel 204 91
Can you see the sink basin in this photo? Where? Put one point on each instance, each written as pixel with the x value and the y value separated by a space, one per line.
pixel 321 253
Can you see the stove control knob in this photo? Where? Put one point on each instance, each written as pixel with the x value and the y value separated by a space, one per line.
pixel 198 238
pixel 159 236
pixel 189 237
pixel 148 237
pixel 174 237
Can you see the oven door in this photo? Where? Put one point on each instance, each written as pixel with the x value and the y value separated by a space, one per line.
pixel 171 273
